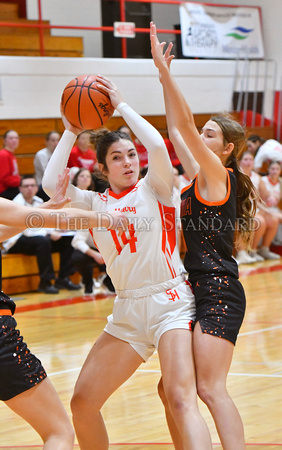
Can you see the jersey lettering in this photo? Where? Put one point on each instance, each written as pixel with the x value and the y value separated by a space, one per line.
pixel 131 241
pixel 186 208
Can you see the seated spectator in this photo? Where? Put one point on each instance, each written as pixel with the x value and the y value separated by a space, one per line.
pixel 253 143
pixel 95 181
pixel 83 180
pixel 265 224
pixel 9 172
pixel 42 243
pixel 84 258
pixel 273 183
pixel 271 150
pixel 41 160
pixel 82 154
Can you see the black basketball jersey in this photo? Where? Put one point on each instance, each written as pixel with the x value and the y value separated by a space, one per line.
pixel 208 229
pixel 5 301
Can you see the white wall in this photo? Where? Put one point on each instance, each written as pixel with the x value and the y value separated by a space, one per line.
pixel 32 86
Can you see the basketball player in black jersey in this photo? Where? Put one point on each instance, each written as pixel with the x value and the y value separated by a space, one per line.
pixel 219 200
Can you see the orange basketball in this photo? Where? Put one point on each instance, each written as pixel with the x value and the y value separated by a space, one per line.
pixel 84 105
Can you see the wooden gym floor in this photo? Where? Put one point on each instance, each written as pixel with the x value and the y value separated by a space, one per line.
pixel 60 330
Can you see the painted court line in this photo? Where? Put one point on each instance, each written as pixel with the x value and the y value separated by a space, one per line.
pixel 234 374
pixel 133 444
pixel 261 330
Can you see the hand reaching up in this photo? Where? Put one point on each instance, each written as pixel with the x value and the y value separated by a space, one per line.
pixel 161 59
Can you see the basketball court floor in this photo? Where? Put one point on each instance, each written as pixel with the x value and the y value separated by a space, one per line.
pixel 61 329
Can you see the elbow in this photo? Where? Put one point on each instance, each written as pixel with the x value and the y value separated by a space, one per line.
pixel 48 186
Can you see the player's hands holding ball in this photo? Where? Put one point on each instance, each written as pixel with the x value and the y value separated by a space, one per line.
pixel 109 88
pixel 68 125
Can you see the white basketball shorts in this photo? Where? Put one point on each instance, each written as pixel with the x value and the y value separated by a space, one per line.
pixel 141 321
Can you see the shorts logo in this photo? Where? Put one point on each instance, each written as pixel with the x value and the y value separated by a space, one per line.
pixel 173 294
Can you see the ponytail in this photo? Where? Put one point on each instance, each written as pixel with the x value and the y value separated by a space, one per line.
pixel 246 203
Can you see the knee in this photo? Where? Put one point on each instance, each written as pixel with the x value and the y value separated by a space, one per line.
pixel 161 393
pixel 210 393
pixel 63 437
pixel 275 222
pixel 177 399
pixel 78 403
pixel 81 405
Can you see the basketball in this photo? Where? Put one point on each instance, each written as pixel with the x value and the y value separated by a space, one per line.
pixel 84 105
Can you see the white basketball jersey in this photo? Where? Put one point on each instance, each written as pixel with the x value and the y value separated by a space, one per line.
pixel 146 254
pixel 273 189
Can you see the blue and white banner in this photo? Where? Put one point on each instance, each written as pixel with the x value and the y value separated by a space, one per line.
pixel 226 32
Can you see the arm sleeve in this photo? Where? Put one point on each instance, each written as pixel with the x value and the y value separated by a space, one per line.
pixel 79 241
pixel 160 173
pixel 57 164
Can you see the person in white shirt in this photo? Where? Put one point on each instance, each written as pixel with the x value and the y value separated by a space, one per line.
pixel 42 243
pixel 270 150
pixel 84 258
pixel 41 160
pixel 154 307
pixel 273 183
pixel 266 223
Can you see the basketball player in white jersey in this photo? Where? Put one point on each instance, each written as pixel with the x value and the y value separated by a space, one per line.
pixel 24 385
pixel 154 307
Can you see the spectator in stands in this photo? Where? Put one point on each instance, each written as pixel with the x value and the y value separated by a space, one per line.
pixel 271 150
pixel 9 172
pixel 83 180
pixel 42 243
pixel 273 183
pixel 92 181
pixel 41 160
pixel 253 143
pixel 85 257
pixel 266 223
pixel 82 154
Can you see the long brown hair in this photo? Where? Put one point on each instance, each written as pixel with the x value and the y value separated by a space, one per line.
pixel 247 195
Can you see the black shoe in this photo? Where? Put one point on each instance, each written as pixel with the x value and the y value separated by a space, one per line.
pixel 89 289
pixel 66 283
pixel 107 283
pixel 47 288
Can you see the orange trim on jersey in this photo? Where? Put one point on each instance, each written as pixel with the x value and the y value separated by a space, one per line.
pixel 271 182
pixel 168 234
pixel 206 202
pixel 5 312
pixel 116 241
pixel 91 232
pixel 186 187
pixel 123 193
